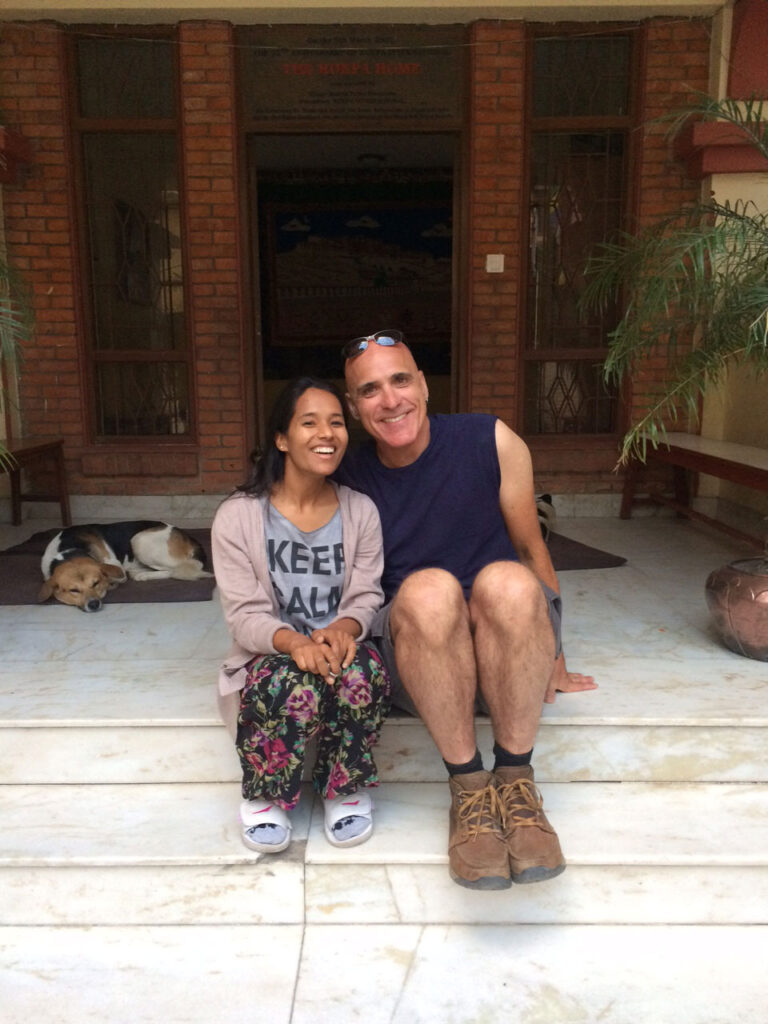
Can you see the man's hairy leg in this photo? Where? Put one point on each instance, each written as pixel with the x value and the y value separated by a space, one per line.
pixel 514 648
pixel 435 658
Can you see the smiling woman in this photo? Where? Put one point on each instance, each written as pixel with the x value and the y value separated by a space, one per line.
pixel 298 562
pixel 313 444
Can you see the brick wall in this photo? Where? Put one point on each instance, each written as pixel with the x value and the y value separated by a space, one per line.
pixel 497 56
pixel 676 62
pixel 675 56
pixel 209 144
pixel 43 245
pixel 39 230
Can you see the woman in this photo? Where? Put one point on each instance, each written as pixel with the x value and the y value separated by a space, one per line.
pixel 298 561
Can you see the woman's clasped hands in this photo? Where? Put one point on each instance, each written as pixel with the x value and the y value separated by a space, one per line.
pixel 325 652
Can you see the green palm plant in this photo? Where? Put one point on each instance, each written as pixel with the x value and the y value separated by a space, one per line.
pixel 15 326
pixel 15 321
pixel 695 289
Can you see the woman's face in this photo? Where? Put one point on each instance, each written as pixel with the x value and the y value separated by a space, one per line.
pixel 317 437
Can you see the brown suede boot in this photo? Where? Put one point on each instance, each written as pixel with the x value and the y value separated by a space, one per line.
pixel 477 855
pixel 532 843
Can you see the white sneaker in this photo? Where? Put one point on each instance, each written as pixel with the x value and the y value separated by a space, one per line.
pixel 266 828
pixel 348 820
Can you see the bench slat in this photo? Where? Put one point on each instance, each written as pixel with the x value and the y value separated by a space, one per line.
pixel 727 451
pixel 713 465
pixel 739 464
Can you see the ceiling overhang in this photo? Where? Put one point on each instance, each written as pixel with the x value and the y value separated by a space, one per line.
pixel 357 11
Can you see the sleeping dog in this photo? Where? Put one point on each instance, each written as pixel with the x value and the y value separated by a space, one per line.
pixel 82 563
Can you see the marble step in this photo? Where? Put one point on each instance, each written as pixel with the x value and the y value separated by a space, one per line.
pixel 417 975
pixel 120 754
pixel 171 854
pixel 157 721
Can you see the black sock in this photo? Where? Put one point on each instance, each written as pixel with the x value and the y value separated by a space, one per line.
pixel 475 765
pixel 506 760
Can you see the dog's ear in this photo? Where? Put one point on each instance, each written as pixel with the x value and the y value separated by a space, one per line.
pixel 113 574
pixel 46 591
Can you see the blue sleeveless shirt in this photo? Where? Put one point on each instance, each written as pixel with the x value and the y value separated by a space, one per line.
pixel 443 510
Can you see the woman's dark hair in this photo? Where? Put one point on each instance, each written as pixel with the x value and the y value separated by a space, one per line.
pixel 269 462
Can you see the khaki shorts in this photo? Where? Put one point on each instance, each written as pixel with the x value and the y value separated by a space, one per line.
pixel 381 634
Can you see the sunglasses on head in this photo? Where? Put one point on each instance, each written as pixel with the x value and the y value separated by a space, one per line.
pixel 385 338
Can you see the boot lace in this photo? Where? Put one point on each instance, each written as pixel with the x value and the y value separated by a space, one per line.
pixel 522 805
pixel 480 811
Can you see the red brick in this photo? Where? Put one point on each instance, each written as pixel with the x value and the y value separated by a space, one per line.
pixel 39 226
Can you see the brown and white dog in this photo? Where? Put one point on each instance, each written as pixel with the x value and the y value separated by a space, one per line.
pixel 82 563
pixel 545 510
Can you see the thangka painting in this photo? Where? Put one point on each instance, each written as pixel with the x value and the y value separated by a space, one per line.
pixel 335 270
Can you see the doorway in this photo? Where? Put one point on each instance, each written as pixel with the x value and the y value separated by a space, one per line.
pixel 352 234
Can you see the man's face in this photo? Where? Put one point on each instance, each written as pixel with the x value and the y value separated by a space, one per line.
pixel 387 392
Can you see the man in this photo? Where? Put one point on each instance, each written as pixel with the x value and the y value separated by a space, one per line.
pixel 473 604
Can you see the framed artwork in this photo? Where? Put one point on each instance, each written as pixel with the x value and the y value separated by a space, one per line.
pixel 336 270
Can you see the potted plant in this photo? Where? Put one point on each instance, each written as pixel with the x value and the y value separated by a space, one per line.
pixel 695 288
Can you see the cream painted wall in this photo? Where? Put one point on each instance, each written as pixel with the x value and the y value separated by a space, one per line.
pixel 738 410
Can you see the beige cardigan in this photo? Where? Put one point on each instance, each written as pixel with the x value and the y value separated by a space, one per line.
pixel 247 596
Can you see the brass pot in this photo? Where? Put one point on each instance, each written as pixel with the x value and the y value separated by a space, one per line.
pixel 737 596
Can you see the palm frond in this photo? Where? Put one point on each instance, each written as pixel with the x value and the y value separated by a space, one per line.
pixel 15 328
pixel 15 318
pixel 747 116
pixel 696 373
pixel 694 288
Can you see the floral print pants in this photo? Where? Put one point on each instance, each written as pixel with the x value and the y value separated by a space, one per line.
pixel 281 707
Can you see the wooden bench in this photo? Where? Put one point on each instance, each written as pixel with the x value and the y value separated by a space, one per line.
pixel 28 452
pixel 686 453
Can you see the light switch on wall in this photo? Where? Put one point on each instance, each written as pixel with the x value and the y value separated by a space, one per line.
pixel 494 263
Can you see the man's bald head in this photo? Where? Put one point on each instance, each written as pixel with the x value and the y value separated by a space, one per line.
pixel 387 392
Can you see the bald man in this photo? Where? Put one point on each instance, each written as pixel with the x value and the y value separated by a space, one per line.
pixel 472 619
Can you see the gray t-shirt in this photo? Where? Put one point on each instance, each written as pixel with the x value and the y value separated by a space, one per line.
pixel 306 569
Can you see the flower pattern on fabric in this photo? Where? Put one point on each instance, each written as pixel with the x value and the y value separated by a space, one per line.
pixel 302 703
pixel 354 689
pixel 281 707
pixel 338 778
pixel 276 756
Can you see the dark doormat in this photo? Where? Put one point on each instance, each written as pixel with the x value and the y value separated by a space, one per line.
pixel 20 577
pixel 572 554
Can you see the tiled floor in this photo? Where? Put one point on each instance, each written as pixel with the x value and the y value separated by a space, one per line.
pixel 315 938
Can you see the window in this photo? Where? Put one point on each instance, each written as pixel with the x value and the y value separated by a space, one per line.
pixel 578 192
pixel 137 348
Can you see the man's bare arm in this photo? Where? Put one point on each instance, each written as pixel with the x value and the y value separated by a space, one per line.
pixel 518 507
